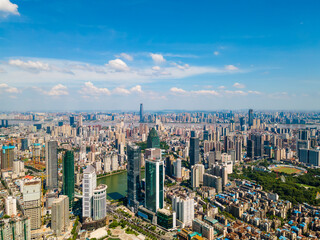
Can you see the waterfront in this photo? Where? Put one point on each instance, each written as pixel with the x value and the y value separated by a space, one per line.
pixel 117 185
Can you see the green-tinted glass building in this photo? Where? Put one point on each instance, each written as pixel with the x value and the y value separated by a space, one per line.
pixel 68 176
pixel 154 196
pixel 153 140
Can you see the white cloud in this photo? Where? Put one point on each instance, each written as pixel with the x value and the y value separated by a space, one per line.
pixel 157 58
pixel 156 68
pixel 222 87
pixel 6 8
pixel 216 53
pixel 118 65
pixel 90 89
pixel 30 65
pixel 177 90
pixel 5 87
pixel 206 92
pixel 121 91
pixel 238 92
pixel 239 85
pixel 58 90
pixel 231 68
pixel 125 56
pixel 255 92
pixel 136 89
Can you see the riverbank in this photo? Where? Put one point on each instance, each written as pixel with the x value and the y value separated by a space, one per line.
pixel 111 174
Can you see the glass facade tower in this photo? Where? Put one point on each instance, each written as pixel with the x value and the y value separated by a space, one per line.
pixel 68 176
pixel 153 140
pixel 133 180
pixel 154 196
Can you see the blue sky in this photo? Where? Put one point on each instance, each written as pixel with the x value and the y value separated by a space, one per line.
pixel 193 55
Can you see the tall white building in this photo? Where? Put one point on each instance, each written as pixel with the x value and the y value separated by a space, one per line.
pixel 18 169
pixel 197 172
pixel 114 162
pixel 184 207
pixel 11 206
pixel 89 183
pixel 100 202
pixel 107 164
pixel 32 202
pixel 60 215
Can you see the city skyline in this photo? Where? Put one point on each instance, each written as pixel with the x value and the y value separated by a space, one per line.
pixel 208 56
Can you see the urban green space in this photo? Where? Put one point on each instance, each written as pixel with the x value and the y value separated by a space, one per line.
pixel 297 189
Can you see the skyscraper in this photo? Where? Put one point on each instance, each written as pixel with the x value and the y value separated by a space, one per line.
pixel 68 176
pixel 184 207
pixel 194 151
pixel 89 183
pixel 32 202
pixel 7 156
pixel 250 117
pixel 60 215
pixel 71 120
pixel 99 202
pixel 154 195
pixel 250 148
pixel 153 140
pixel 141 112
pixel 133 180
pixel 24 144
pixel 197 172
pixel 52 164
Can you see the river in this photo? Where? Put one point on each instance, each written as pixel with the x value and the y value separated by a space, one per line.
pixel 117 185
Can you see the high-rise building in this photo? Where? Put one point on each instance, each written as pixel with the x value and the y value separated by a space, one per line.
pixel 250 149
pixel 250 117
pixel 68 176
pixel 89 183
pixel 71 120
pixel 197 172
pixel 212 181
pixel 177 169
pixel 100 202
pixel 16 228
pixel 60 215
pixel 11 206
pixel 24 144
pixel 133 179
pixel 153 140
pixel 52 164
pixel 184 207
pixel 141 112
pixel 258 140
pixel 7 157
pixel 32 202
pixel 194 151
pixel 154 195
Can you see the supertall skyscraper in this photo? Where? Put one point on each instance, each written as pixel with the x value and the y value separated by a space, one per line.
pixel 52 164
pixel 154 195
pixel 141 112
pixel 68 176
pixel 250 117
pixel 133 180
pixel 194 151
